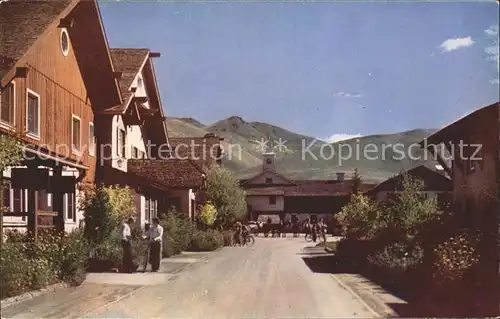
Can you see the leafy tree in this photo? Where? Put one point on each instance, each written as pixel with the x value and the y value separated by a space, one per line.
pixel 226 194
pixel 10 155
pixel 358 219
pixel 356 179
pixel 207 215
pixel 411 209
pixel 10 152
pixel 97 209
pixel 122 202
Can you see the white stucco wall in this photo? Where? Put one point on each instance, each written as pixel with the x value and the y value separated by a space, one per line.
pixel 261 203
pixel 141 89
pixel 69 223
pixel 133 138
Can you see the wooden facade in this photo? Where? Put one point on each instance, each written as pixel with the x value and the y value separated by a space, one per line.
pixel 48 80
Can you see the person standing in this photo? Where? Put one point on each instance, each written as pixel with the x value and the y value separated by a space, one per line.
pixel 155 244
pixel 128 261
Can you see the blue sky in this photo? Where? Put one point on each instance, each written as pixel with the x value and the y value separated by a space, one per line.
pixel 316 68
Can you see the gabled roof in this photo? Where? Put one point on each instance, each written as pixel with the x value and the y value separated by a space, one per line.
pixel 171 173
pixel 204 148
pixel 309 188
pixel 266 191
pixel 131 62
pixel 465 126
pixel 249 180
pixel 433 181
pixel 18 34
pixel 24 23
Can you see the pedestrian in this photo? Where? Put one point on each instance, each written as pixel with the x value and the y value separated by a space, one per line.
pixel 128 260
pixel 155 244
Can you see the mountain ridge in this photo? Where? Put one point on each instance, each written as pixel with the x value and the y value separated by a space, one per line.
pixel 294 157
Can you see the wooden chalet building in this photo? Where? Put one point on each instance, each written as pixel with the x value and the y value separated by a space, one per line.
pixel 55 74
pixel 436 185
pixel 135 147
pixel 475 173
pixel 134 130
pixel 272 195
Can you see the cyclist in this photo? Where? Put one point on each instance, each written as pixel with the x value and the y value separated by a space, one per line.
pixel 245 230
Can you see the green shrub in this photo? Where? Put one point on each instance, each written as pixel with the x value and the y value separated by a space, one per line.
pixel 179 228
pixel 455 257
pixel 207 215
pixel 397 257
pixel 360 218
pixel 27 265
pixel 107 254
pixel 15 275
pixel 170 247
pixel 209 240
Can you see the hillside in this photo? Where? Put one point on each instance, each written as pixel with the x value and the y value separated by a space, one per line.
pixel 376 156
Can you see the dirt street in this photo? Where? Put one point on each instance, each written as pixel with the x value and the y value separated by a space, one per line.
pixel 268 280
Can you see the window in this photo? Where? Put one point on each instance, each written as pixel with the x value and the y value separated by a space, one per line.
pixel 20 201
pixel 33 114
pixel 6 196
pixel 272 200
pixel 135 152
pixel 121 143
pixel 64 42
pixel 70 207
pixel 141 154
pixel 147 210
pixel 269 180
pixel 91 139
pixel 7 104
pixel 75 133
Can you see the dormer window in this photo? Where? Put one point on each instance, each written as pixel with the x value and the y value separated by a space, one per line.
pixel 64 42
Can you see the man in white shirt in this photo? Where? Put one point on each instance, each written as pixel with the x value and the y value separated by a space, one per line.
pixel 128 260
pixel 155 237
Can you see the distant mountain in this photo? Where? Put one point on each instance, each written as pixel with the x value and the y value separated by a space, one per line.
pixel 304 156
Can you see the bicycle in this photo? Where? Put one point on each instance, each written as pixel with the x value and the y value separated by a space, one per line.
pixel 309 237
pixel 249 240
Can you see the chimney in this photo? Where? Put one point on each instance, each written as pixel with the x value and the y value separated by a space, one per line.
pixel 340 176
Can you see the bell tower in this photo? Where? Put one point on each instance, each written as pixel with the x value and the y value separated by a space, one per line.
pixel 268 161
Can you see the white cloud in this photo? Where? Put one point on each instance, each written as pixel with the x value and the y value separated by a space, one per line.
pixel 340 137
pixel 348 95
pixel 455 44
pixel 492 49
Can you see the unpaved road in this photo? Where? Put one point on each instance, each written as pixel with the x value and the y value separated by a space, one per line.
pixel 268 280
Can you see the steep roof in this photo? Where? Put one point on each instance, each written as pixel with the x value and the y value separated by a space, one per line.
pixel 465 126
pixel 246 182
pixel 130 62
pixel 311 188
pixel 171 173
pixel 18 34
pixel 433 181
pixel 23 23
pixel 205 148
